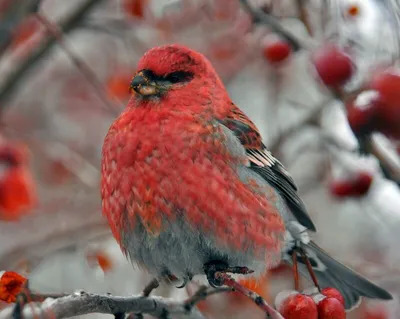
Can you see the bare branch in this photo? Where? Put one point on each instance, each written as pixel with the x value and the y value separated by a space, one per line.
pixel 304 16
pixel 260 17
pixel 308 118
pixel 81 65
pixel 14 13
pixel 59 239
pixel 82 303
pixel 69 24
pixel 391 167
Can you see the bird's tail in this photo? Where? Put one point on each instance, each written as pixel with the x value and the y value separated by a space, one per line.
pixel 331 273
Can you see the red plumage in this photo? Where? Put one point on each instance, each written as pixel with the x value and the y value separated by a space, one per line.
pixel 167 155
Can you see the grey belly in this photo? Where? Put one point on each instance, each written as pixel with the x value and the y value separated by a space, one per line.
pixel 182 250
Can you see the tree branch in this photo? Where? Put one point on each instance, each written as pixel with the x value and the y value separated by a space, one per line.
pixel 390 167
pixel 81 65
pixel 260 17
pixel 81 303
pixel 69 24
pixel 15 12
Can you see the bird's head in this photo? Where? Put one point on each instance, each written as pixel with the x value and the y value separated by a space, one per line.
pixel 175 74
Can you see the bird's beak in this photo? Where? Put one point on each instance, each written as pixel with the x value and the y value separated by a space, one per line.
pixel 144 86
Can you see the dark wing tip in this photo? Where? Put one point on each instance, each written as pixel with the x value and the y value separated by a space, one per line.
pixel 359 283
pixel 378 292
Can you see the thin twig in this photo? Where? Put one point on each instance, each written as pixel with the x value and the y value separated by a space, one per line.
pixel 304 16
pixel 311 116
pixel 81 65
pixel 260 17
pixel 202 293
pixel 227 280
pixel 14 13
pixel 69 24
pixel 58 240
pixel 391 167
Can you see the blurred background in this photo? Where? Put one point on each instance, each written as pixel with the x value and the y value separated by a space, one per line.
pixel 318 77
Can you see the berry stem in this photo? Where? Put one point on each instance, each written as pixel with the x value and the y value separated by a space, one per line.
pixel 310 269
pixel 295 271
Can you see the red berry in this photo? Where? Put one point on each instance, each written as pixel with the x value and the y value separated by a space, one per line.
pixel 353 10
pixel 333 293
pixel 333 66
pixel 276 51
pixel 387 84
pixel 135 8
pixel 357 186
pixel 298 306
pixel 331 308
pixel 361 112
pixel 118 85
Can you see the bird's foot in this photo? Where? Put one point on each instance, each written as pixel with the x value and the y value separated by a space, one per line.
pixel 213 269
pixel 186 280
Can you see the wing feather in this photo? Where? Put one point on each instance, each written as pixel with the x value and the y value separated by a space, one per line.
pixel 265 164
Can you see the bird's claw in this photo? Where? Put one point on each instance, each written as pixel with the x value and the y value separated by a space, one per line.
pixel 186 279
pixel 214 269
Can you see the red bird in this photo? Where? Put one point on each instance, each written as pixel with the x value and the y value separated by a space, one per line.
pixel 189 188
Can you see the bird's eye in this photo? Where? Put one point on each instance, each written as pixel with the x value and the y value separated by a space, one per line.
pixel 179 76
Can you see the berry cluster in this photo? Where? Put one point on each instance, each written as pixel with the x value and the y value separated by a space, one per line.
pixel 327 304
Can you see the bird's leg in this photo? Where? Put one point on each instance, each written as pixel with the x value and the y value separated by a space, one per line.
pixel 310 269
pixel 154 284
pixel 295 271
pixel 212 268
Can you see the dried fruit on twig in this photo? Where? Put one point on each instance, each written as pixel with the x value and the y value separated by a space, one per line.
pixel 135 8
pixel 101 259
pixel 118 85
pixel 11 284
pixel 259 286
pixel 17 188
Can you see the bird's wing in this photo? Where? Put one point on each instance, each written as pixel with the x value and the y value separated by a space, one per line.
pixel 265 164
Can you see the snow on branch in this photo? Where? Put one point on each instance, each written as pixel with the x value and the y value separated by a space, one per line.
pixel 82 303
